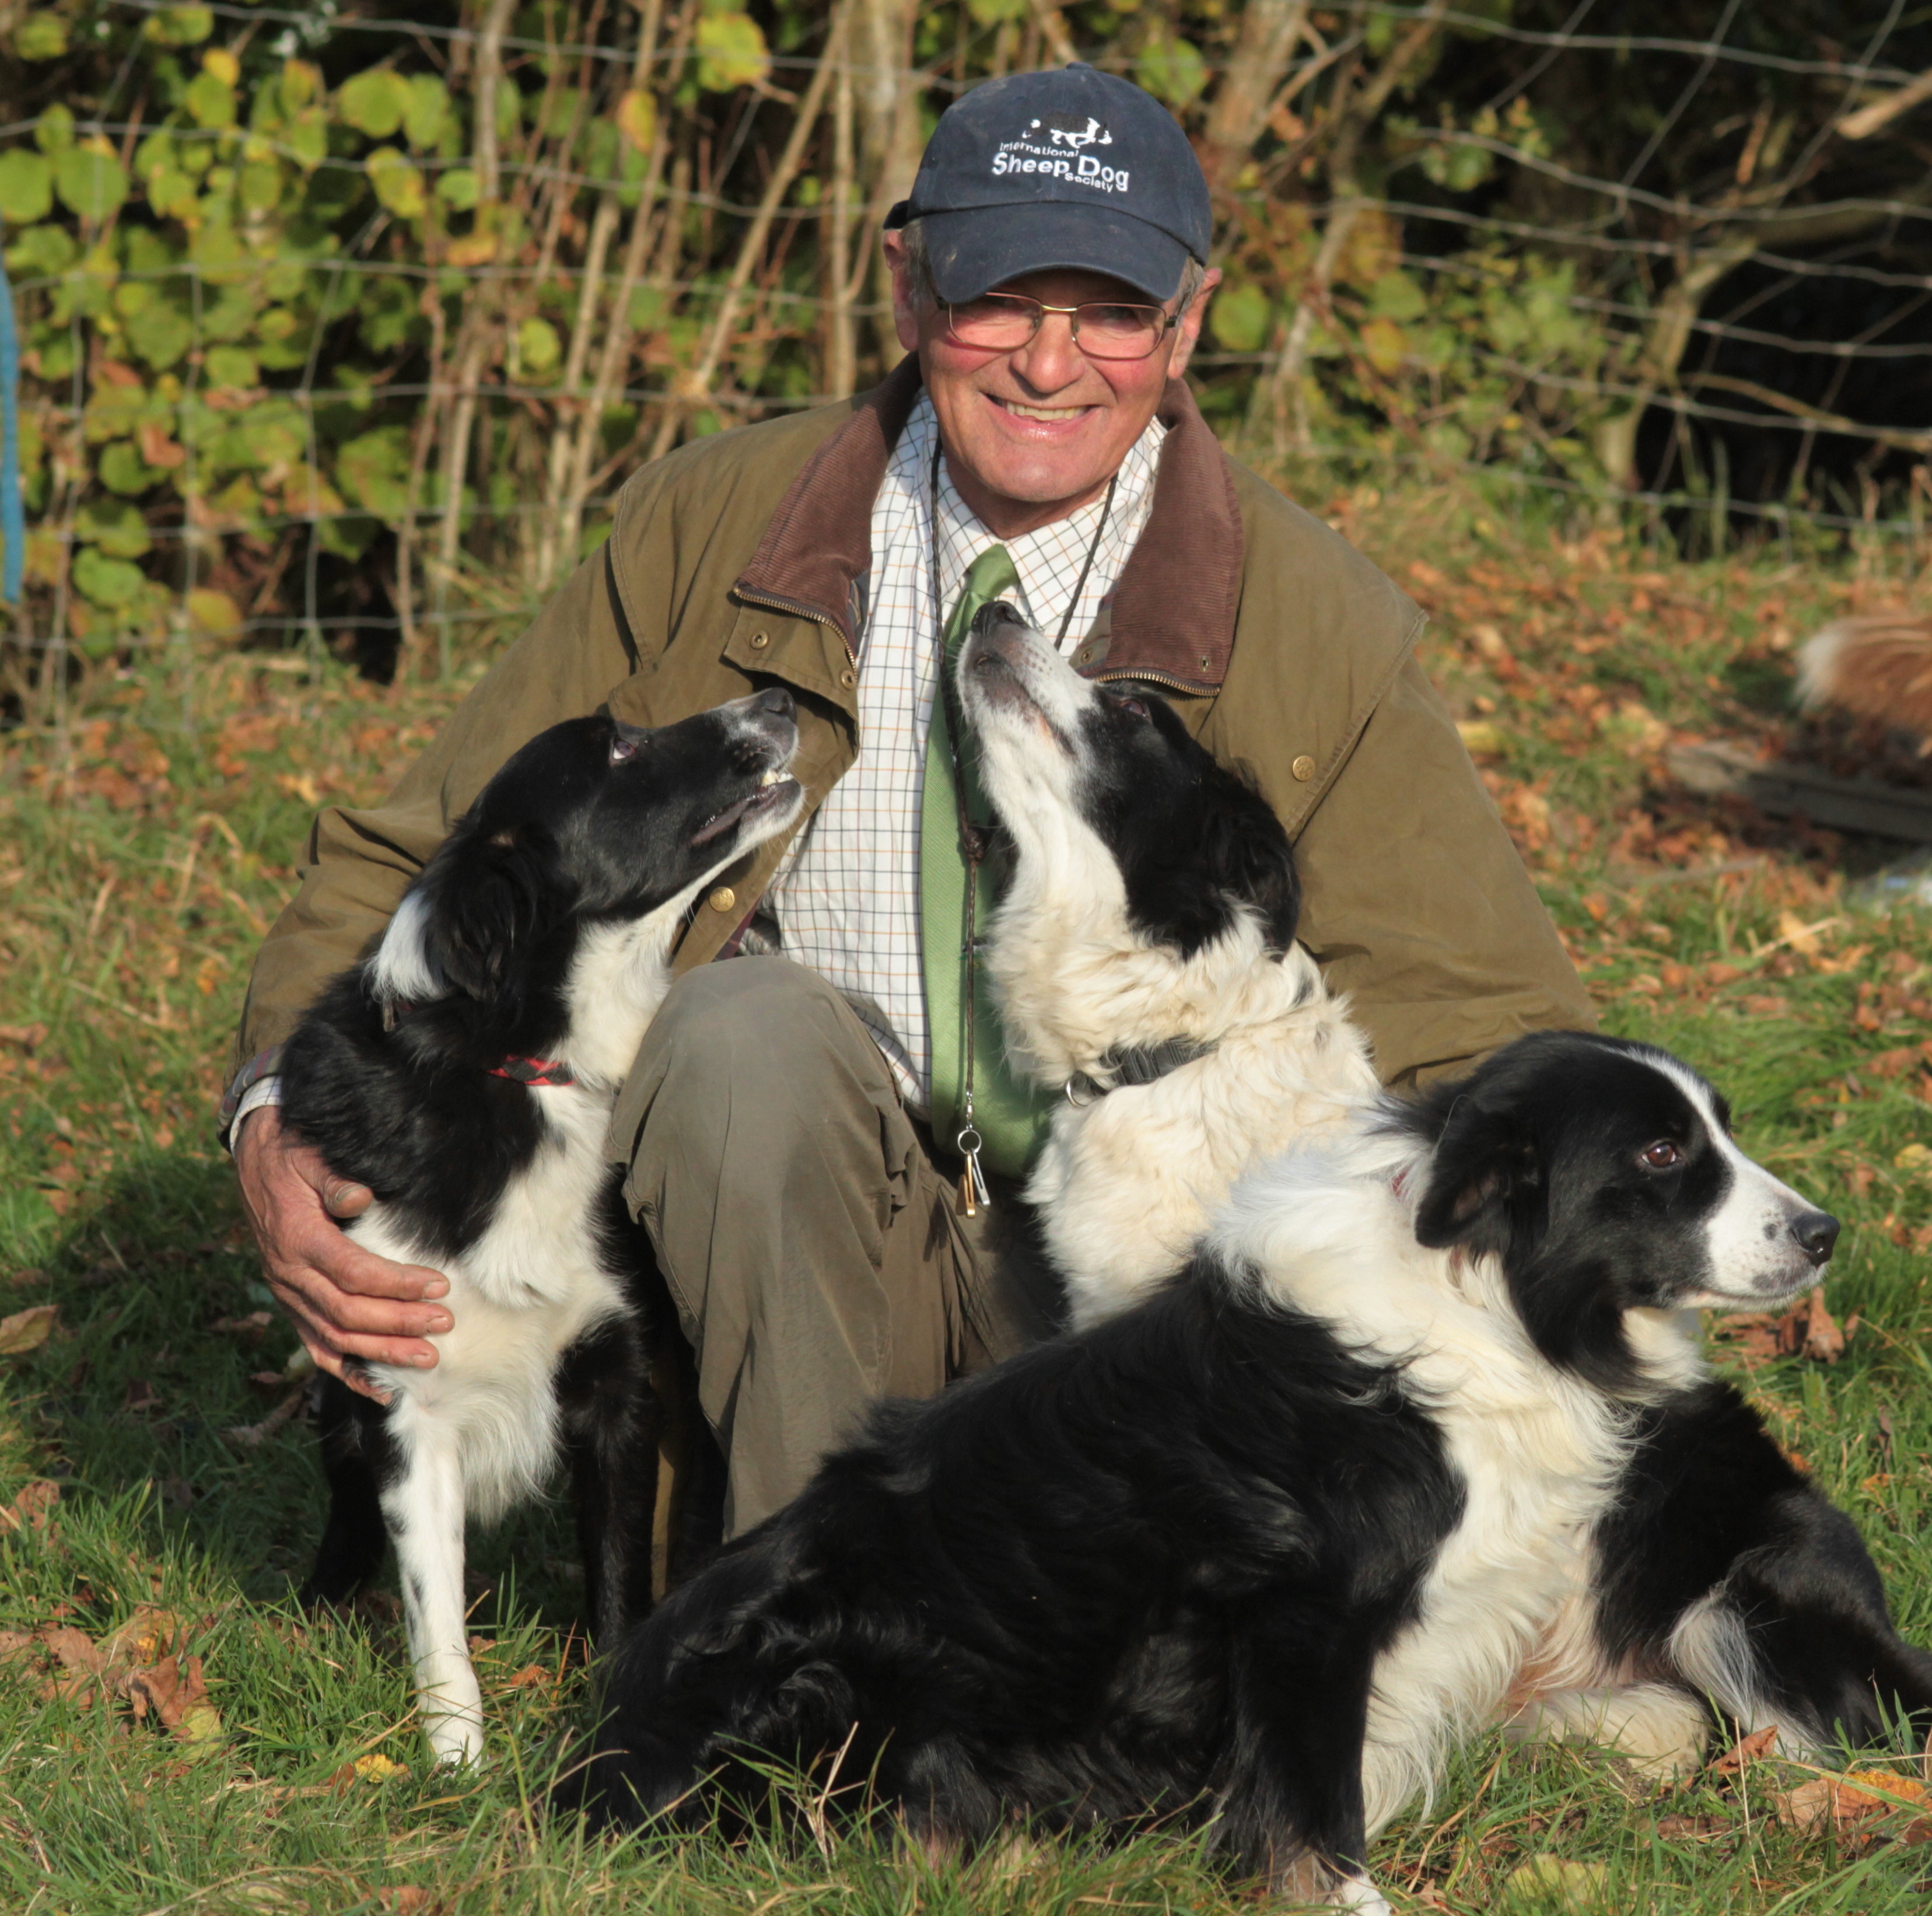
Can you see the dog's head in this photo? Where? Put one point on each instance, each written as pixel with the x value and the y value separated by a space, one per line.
pixel 1603 1177
pixel 1112 808
pixel 593 822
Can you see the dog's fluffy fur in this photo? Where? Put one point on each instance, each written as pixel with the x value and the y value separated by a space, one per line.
pixel 541 929
pixel 1878 666
pixel 1261 1547
pixel 1146 903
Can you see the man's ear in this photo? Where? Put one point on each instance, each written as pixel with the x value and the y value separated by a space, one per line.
pixel 1483 1161
pixel 905 297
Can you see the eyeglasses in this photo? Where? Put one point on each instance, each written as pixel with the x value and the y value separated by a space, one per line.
pixel 1102 328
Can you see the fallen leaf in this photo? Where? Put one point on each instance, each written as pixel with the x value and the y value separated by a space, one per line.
pixel 1824 1342
pixel 1916 1158
pixel 373 1768
pixel 407 1900
pixel 28 1038
pixel 531 1675
pixel 252 1437
pixel 32 1508
pixel 1480 735
pixel 141 1397
pixel 1690 1829
pixel 1747 1749
pixel 248 1332
pixel 27 1330
pixel 1558 1880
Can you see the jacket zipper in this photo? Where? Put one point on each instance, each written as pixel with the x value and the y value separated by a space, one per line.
pixel 1195 688
pixel 797 609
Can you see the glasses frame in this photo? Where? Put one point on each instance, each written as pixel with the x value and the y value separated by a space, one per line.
pixel 1041 309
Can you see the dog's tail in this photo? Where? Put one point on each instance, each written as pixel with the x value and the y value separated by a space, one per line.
pixel 1878 666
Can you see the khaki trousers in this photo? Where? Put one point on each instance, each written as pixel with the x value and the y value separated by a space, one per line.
pixel 811 1248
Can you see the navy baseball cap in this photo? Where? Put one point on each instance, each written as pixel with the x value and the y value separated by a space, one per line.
pixel 1072 167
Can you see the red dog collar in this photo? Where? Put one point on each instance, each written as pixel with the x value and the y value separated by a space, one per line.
pixel 534 1071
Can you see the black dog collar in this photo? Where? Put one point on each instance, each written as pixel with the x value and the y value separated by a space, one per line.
pixel 1132 1064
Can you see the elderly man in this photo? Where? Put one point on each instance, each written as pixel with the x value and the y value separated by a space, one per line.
pixel 786 1135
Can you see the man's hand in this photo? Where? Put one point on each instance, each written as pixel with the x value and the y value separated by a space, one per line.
pixel 350 1306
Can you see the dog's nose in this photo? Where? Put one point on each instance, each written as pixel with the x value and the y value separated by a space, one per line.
pixel 993 614
pixel 775 700
pixel 1817 1232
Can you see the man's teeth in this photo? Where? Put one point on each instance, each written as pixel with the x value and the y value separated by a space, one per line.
pixel 1043 411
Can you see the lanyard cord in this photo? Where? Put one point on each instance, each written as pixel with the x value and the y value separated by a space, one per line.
pixel 975 840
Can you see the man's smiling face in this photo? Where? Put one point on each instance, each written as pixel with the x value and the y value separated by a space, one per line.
pixel 1033 434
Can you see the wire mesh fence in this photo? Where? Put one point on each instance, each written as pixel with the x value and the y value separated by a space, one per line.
pixel 339 330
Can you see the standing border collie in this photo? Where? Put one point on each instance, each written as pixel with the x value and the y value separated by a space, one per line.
pixel 465 1073
pixel 1144 921
pixel 1256 1551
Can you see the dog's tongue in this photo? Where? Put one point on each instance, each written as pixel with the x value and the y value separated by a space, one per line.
pixel 723 822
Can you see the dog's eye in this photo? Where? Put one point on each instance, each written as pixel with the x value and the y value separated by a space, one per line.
pixel 1135 708
pixel 1661 1156
pixel 623 748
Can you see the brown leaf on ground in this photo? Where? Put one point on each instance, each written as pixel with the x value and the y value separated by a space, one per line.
pixel 27 1330
pixel 407 1900
pixel 25 1038
pixel 1846 1803
pixel 142 1396
pixel 1747 1749
pixel 248 1331
pixel 1824 1342
pixel 1691 1829
pixel 1807 1330
pixel 176 1691
pixel 252 1437
pixel 31 1509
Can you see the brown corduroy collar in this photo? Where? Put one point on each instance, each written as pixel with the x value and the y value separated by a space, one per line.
pixel 1173 607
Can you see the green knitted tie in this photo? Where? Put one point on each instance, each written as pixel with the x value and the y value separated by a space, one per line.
pixel 1009 1116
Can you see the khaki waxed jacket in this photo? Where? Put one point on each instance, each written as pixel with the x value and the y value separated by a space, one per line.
pixel 738 562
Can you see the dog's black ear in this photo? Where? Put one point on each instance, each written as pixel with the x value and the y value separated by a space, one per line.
pixel 1484 1163
pixel 1246 856
pixel 479 904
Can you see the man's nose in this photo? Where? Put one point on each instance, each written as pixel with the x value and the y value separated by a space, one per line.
pixel 1052 358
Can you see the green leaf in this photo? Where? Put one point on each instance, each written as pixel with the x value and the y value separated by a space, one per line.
pixel 229 365
pixel 273 435
pixel 120 469
pixel 428 110
pixel 457 188
pixel 41 37
pixel 637 119
pixel 54 133
pixel 180 26
pixel 26 186
pixel 1240 315
pixel 163 336
pixel 172 194
pixel 374 102
pixel 114 525
pixel 210 101
pixel 307 137
pixel 372 469
pixel 731 53
pixel 1172 69
pixel 260 186
pixel 41 252
pixel 993 12
pixel 398 184
pixel 1397 296
pixel 91 183
pixel 539 349
pixel 104 581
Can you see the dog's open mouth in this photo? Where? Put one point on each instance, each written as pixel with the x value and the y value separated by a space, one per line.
pixel 773 788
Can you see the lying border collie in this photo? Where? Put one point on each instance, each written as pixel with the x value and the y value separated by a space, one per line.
pixel 1257 1549
pixel 1144 956
pixel 1144 921
pixel 465 1073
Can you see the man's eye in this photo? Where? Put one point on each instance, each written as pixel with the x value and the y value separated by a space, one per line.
pixel 1662 1156
pixel 621 749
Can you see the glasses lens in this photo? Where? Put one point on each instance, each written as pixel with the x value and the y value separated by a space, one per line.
pixel 1120 332
pixel 997 320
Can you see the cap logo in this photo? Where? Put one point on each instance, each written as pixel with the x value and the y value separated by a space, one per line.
pixel 1058 147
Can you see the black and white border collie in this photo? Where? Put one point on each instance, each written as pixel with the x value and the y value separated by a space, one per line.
pixel 1143 921
pixel 1144 957
pixel 465 1072
pixel 1256 1550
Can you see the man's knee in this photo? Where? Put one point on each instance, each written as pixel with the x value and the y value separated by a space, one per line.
pixel 763 1018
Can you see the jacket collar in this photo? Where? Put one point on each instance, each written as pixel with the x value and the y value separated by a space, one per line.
pixel 1174 608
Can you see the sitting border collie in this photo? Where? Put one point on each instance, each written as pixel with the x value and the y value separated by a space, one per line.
pixel 465 1072
pixel 1144 928
pixel 1143 954
pixel 1256 1551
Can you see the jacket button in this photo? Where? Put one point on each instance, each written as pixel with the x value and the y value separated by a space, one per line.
pixel 1304 768
pixel 760 640
pixel 723 898
pixel 848 678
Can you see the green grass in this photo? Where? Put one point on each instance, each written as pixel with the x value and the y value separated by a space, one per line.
pixel 139 858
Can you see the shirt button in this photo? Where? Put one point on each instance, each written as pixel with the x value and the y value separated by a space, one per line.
pixel 1304 768
pixel 760 640
pixel 723 898
pixel 848 678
